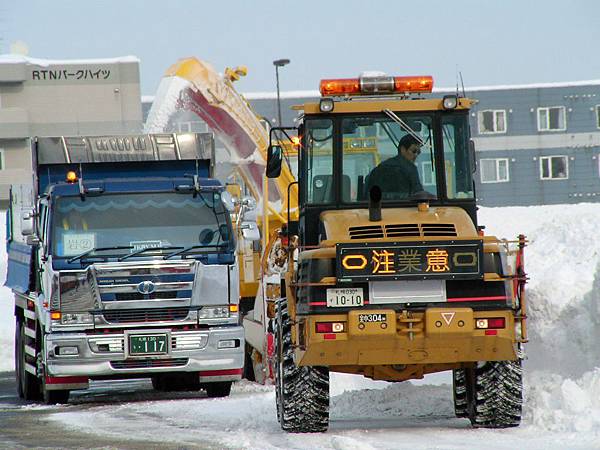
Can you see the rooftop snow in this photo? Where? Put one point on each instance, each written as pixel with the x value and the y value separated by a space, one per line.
pixel 20 59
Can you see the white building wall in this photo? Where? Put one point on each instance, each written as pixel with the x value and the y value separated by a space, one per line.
pixel 54 98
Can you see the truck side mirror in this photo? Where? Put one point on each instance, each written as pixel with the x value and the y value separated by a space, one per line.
pixel 274 158
pixel 27 221
pixel 250 231
pixel 472 155
pixel 228 201
pixel 249 203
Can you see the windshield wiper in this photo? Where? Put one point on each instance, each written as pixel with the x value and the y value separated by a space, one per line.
pixel 195 247
pixel 405 126
pixel 98 249
pixel 147 249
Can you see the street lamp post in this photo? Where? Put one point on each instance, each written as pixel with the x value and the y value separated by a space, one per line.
pixel 279 63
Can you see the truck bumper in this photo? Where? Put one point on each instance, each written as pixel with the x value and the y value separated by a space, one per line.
pixel 216 354
pixel 384 337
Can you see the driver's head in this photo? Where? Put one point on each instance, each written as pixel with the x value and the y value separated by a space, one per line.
pixel 409 147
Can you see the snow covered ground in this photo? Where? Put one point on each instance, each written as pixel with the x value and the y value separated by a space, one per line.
pixel 562 372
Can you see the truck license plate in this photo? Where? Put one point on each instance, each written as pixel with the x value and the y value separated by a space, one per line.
pixel 339 298
pixel 148 344
pixel 369 318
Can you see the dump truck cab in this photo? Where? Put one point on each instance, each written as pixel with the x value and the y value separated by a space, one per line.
pixel 392 277
pixel 121 258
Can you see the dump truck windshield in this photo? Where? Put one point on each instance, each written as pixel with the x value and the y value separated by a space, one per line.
pixel 136 222
pixel 399 156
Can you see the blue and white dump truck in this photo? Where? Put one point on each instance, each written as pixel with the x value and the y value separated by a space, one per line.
pixel 121 257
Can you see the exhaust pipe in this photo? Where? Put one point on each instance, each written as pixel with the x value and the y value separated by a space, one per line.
pixel 375 204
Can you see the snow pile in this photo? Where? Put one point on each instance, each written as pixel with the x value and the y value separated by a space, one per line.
pixel 562 370
pixel 558 404
pixel 396 400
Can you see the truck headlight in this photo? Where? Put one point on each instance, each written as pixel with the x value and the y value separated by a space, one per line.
pixel 76 318
pixel 214 312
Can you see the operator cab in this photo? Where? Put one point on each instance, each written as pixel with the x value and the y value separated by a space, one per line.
pixel 350 142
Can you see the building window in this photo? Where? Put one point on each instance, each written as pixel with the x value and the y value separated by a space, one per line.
pixel 494 170
pixel 554 168
pixel 428 174
pixel 597 116
pixel 1 159
pixel 492 121
pixel 552 119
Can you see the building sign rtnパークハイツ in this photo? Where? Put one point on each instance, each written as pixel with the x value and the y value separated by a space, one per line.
pixel 70 74
pixel 445 259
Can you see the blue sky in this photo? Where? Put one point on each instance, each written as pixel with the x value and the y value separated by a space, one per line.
pixel 490 42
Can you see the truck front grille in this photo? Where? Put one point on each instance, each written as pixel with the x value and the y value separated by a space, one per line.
pixel 182 341
pixel 438 229
pixel 369 232
pixel 138 296
pixel 149 363
pixel 145 315
pixel 403 230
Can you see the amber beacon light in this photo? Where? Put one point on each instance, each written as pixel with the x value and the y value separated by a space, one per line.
pixel 71 176
pixel 376 85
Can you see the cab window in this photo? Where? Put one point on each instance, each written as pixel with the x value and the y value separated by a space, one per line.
pixel 319 161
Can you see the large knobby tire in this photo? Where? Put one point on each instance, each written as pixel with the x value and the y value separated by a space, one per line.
pixel 459 388
pixel 218 389
pixel 302 392
pixel 29 385
pixel 497 394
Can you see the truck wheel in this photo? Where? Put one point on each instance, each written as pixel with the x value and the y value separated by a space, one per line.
pixel 218 389
pixel 302 393
pixel 54 397
pixel 459 388
pixel 498 394
pixel 248 364
pixel 29 385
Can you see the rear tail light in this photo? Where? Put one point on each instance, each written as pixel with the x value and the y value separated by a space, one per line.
pixel 330 327
pixel 491 323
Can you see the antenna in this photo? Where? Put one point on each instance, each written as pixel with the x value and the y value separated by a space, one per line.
pixel 457 80
pixel 462 83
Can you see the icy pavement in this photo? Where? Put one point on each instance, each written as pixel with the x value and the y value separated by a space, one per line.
pixel 401 416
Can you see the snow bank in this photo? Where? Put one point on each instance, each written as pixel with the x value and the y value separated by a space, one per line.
pixel 562 370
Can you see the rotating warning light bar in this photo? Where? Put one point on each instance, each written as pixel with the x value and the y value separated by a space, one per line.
pixel 376 85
